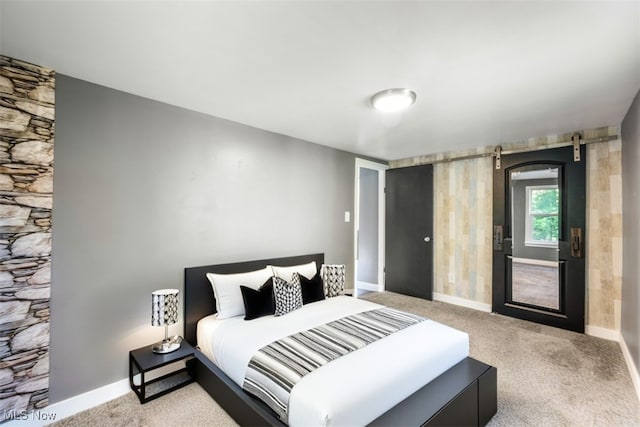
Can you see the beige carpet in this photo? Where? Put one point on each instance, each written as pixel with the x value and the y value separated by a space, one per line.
pixel 546 377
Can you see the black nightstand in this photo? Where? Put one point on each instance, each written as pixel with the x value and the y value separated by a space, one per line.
pixel 143 360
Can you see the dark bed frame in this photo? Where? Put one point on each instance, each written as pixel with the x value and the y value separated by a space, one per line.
pixel 466 394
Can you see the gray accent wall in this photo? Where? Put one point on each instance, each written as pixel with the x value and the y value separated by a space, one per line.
pixel 630 322
pixel 144 189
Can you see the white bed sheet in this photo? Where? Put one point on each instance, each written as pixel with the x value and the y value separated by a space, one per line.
pixel 354 389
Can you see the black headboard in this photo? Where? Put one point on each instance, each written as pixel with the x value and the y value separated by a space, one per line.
pixel 198 293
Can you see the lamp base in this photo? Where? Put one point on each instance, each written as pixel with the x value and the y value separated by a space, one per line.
pixel 167 345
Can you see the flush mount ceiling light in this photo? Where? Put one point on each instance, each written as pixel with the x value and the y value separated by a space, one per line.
pixel 392 100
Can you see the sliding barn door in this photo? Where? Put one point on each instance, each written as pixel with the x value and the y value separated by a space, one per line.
pixel 409 229
pixel 539 233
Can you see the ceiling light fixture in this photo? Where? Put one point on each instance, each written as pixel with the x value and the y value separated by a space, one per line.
pixel 392 100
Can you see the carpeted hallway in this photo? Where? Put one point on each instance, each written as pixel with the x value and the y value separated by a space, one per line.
pixel 546 377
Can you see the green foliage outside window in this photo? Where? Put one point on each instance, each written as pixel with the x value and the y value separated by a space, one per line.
pixel 544 209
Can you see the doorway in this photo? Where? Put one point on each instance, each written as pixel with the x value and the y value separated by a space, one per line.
pixel 369 230
pixel 538 237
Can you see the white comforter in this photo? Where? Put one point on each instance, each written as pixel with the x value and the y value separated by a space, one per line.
pixel 354 389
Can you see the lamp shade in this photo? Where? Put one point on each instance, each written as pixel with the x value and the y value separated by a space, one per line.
pixel 164 307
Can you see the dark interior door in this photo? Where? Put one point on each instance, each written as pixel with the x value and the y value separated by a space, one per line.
pixel 409 230
pixel 538 237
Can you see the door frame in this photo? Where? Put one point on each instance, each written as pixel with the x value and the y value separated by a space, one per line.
pixel 380 168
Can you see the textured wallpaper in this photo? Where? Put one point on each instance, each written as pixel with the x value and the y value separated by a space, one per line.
pixel 27 94
pixel 604 241
pixel 462 232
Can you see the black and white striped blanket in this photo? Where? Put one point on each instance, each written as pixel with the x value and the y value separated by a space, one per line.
pixel 276 368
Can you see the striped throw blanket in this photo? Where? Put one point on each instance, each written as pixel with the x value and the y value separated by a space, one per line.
pixel 276 368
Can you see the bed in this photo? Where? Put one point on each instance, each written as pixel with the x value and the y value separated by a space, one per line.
pixel 439 394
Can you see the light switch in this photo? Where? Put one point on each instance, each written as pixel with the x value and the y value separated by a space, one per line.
pixel 347 216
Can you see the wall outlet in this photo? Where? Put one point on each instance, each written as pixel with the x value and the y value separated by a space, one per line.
pixel 347 216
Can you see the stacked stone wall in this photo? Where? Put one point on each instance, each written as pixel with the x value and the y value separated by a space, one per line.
pixel 27 113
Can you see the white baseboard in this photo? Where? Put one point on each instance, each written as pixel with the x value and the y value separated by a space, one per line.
pixel 633 369
pixel 367 286
pixel 462 302
pixel 71 406
pixel 604 333
pixel 613 335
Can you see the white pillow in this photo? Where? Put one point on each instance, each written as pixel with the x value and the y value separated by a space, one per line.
pixel 307 270
pixel 226 288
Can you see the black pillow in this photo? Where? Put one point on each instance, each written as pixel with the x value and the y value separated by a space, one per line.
pixel 312 289
pixel 258 303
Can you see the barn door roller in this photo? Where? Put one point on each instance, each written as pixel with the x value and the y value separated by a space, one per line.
pixel 576 147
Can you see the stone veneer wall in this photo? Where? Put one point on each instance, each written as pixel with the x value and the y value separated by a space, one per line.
pixel 27 94
pixel 464 216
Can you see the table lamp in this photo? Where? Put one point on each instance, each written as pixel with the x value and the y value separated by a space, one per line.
pixel 164 312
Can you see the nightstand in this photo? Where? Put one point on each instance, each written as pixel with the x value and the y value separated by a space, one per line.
pixel 142 361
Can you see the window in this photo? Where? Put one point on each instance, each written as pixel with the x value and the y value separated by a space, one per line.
pixel 543 207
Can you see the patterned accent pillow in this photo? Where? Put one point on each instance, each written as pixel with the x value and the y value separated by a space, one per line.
pixel 288 295
pixel 333 277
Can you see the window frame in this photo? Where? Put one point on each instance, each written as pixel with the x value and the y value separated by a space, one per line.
pixel 528 232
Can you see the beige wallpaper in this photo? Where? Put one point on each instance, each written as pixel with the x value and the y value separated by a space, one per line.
pixel 463 223
pixel 462 232
pixel 604 241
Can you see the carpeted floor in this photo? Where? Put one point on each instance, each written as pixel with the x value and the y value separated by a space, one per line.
pixel 546 377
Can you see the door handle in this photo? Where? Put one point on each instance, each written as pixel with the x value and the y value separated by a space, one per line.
pixel 498 238
pixel 576 242
pixel 427 239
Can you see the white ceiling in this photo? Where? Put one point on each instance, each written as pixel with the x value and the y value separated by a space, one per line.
pixel 485 72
